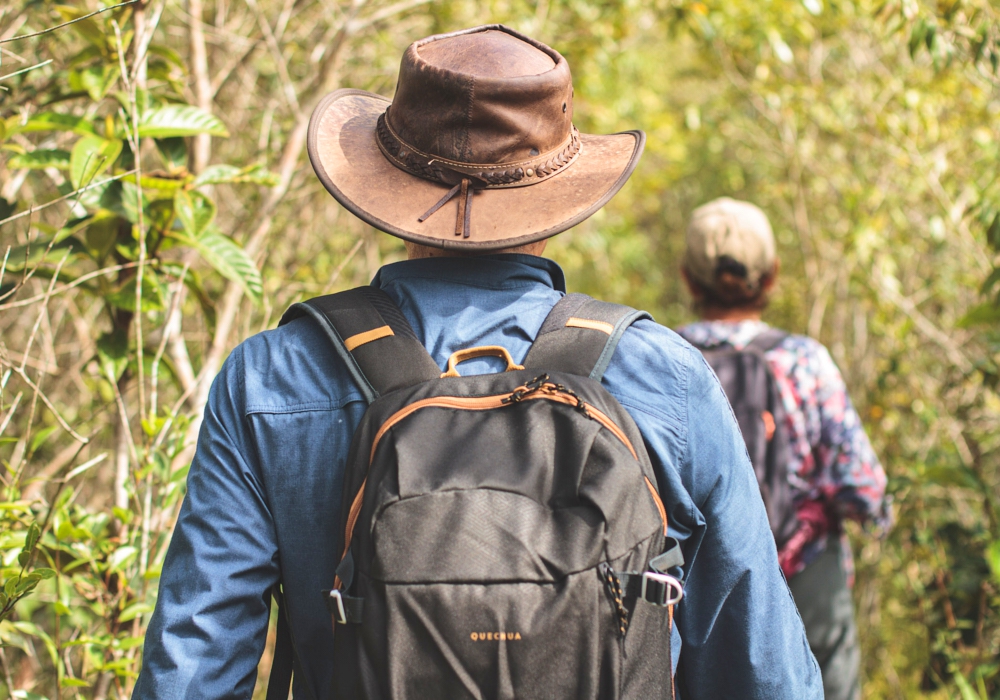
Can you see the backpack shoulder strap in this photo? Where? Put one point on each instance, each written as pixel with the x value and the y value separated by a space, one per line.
pixel 766 341
pixel 372 337
pixel 580 335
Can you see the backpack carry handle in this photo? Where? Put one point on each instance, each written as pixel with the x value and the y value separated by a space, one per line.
pixel 479 351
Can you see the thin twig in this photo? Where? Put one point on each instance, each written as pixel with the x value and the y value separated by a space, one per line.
pixel 10 412
pixel 66 24
pixel 75 193
pixel 66 287
pixel 25 70
pixel 45 399
pixel 154 372
pixel 45 308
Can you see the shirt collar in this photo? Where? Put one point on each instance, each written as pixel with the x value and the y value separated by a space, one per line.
pixel 709 334
pixel 496 271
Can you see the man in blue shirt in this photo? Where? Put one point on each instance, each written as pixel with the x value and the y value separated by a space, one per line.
pixel 265 487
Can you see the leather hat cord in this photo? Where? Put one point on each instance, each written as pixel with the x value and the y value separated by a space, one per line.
pixel 463 222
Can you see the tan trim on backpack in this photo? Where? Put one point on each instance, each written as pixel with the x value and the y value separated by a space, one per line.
pixel 601 326
pixel 368 336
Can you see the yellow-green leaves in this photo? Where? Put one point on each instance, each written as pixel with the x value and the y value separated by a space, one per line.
pixel 194 210
pixel 219 174
pixel 91 156
pixel 179 120
pixel 39 159
pixel 230 261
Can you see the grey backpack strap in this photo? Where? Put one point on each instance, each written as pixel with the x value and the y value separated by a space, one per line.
pixel 372 337
pixel 766 341
pixel 580 335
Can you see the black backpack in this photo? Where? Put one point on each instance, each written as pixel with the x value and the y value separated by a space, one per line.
pixel 502 534
pixel 753 393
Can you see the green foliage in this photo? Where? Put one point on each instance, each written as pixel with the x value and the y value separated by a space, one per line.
pixel 866 130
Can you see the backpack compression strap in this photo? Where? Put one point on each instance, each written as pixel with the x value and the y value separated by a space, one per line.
pixel 372 337
pixel 580 335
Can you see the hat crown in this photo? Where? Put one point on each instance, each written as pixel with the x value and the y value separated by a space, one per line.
pixel 486 96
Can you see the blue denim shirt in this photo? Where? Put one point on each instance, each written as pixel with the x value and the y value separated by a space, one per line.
pixel 265 489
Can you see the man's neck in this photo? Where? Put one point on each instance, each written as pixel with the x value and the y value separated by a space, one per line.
pixel 416 251
pixel 717 313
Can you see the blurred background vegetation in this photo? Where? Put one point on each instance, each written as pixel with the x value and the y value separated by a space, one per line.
pixel 156 208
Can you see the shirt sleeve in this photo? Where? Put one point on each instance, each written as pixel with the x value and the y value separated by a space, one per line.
pixel 850 475
pixel 742 634
pixel 209 627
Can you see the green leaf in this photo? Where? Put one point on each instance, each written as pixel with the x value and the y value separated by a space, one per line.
pixel 993 559
pixel 112 351
pixel 27 584
pixel 168 54
pixel 218 174
pixel 45 574
pixel 173 151
pixel 195 211
pixel 231 261
pixel 102 233
pixel 179 120
pixel 40 437
pixel 153 297
pixel 993 233
pixel 73 683
pixel 121 556
pixel 991 281
pixel 123 514
pixel 40 158
pixel 135 610
pixel 917 36
pixel 34 532
pixel 965 689
pixel 88 28
pixel 981 315
pixel 26 695
pixel 91 156
pixel 51 121
pixel 95 80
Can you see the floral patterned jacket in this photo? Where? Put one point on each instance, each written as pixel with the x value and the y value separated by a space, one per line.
pixel 833 470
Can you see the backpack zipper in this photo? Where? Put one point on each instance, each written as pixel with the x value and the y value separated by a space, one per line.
pixel 538 388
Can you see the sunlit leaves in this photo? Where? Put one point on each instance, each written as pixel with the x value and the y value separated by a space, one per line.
pixel 39 159
pixel 53 121
pixel 195 211
pixel 179 120
pixel 230 261
pixel 91 156
pixel 219 174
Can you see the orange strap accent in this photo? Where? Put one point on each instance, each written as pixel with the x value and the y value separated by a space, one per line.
pixel 769 426
pixel 601 326
pixel 368 336
pixel 659 503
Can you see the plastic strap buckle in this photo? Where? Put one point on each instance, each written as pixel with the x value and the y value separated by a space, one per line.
pixel 661 589
pixel 340 615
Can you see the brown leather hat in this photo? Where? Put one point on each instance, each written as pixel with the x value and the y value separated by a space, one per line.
pixel 477 150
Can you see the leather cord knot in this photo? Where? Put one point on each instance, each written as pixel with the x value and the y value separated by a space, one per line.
pixel 463 222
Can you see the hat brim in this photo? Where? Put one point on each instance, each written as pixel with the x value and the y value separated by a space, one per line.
pixel 343 152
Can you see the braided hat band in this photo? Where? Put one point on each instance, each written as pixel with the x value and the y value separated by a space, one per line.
pixel 472 176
